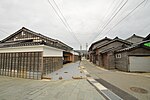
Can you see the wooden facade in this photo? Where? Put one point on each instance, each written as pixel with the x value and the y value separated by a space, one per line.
pixel 137 51
pixel 27 54
pixel 93 50
pixel 125 55
pixel 51 64
pixel 21 64
pixel 70 56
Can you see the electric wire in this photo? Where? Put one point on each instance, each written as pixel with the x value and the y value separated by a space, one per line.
pixel 57 14
pixel 63 19
pixel 66 21
pixel 107 13
pixel 115 9
pixel 146 3
pixel 125 17
pixel 111 19
pixel 109 9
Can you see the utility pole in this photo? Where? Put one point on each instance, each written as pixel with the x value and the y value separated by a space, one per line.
pixel 86 51
pixel 80 47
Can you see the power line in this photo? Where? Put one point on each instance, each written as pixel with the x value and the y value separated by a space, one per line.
pixel 66 21
pixel 113 16
pixel 125 16
pixel 107 13
pixel 146 3
pixel 114 9
pixel 111 19
pixel 63 19
pixel 57 14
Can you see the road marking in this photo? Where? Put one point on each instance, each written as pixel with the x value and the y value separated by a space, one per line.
pixel 103 90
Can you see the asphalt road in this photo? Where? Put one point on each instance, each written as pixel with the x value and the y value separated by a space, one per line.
pixel 120 82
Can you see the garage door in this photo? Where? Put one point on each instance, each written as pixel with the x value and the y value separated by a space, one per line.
pixel 138 63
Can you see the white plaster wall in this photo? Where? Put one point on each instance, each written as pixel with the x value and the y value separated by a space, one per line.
pixel 74 53
pixel 50 51
pixel 47 51
pixel 22 49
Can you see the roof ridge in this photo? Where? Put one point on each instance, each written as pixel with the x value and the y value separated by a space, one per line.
pixel 115 39
pixel 135 36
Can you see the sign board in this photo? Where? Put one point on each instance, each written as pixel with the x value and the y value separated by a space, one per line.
pixel 147 44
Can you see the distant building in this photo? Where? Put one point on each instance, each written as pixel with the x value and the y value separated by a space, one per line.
pixel 132 54
pixel 135 58
pixel 70 56
pixel 147 37
pixel 135 39
pixel 27 54
pixel 106 51
pixel 93 51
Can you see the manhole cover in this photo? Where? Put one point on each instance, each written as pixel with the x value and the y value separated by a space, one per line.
pixel 65 72
pixel 138 90
pixel 88 75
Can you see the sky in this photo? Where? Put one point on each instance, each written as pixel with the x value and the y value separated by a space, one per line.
pixel 89 20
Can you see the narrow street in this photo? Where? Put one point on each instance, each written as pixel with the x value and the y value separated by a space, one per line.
pixel 121 83
pixel 68 71
pixel 12 88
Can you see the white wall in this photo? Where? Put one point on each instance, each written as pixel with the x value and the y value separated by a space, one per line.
pixel 47 51
pixel 50 51
pixel 22 49
pixel 74 53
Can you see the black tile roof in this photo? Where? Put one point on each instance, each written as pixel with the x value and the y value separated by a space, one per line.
pixel 37 34
pixel 114 40
pixel 133 46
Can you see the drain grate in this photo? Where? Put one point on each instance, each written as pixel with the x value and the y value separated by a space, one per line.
pixel 88 75
pixel 138 90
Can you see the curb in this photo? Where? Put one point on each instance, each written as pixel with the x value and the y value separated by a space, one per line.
pixel 109 95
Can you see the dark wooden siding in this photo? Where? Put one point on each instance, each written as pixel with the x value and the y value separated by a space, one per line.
pixel 76 58
pixel 21 64
pixel 105 60
pixel 51 64
pixel 25 35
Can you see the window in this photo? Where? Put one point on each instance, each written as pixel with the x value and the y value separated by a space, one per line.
pixel 22 33
pixel 118 55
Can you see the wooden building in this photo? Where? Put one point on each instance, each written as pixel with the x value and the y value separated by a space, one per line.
pixel 27 54
pixel 147 38
pixel 132 54
pixel 93 51
pixel 135 58
pixel 106 52
pixel 71 56
pixel 135 39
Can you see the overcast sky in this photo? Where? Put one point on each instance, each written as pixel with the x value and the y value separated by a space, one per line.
pixel 86 18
